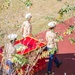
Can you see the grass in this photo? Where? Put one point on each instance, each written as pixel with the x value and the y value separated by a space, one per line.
pixel 12 17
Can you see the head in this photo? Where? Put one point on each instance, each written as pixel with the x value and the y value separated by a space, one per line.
pixel 52 25
pixel 12 38
pixel 28 16
pixel 12 41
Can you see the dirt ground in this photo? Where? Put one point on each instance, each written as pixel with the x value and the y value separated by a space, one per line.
pixel 12 17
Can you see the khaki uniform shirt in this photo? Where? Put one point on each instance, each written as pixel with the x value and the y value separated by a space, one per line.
pixel 26 28
pixel 9 51
pixel 51 39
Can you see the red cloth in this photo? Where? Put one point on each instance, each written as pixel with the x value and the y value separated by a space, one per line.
pixel 31 43
pixel 1 49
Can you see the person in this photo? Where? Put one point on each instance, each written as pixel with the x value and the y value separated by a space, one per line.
pixel 9 52
pixel 52 47
pixel 26 28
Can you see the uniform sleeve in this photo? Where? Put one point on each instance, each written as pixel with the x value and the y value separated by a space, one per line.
pixel 6 47
pixel 29 29
pixel 46 36
pixel 22 28
pixel 55 40
pixel 5 51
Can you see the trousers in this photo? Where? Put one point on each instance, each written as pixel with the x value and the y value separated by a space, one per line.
pixel 52 58
pixel 9 63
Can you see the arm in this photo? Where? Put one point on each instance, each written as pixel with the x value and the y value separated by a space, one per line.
pixel 56 43
pixel 29 30
pixel 46 37
pixel 4 52
pixel 22 28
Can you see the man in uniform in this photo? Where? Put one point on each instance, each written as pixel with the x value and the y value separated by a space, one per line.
pixel 9 52
pixel 52 47
pixel 26 28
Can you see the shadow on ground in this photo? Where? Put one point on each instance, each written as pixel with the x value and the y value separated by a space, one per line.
pixel 68 65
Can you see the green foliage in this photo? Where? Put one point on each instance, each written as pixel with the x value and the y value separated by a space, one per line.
pixel 51 51
pixel 1 34
pixel 72 40
pixel 66 9
pixel 59 38
pixel 28 3
pixel 8 1
pixel 50 17
pixel 20 59
pixel 70 30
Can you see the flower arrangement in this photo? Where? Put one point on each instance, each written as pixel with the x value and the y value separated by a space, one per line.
pixel 20 59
